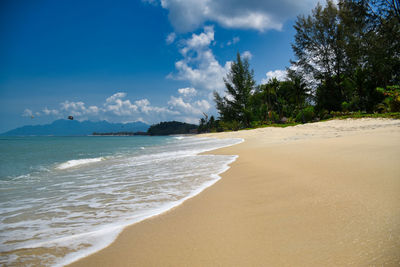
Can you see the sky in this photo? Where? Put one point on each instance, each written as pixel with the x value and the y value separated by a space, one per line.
pixel 134 60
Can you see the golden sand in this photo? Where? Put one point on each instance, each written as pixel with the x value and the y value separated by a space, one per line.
pixel 321 194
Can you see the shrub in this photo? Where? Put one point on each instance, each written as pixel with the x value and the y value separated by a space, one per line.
pixel 306 115
pixel 392 98
pixel 274 117
pixel 346 106
pixel 324 114
pixel 255 124
pixel 230 125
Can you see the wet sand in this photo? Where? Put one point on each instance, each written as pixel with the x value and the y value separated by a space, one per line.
pixel 321 194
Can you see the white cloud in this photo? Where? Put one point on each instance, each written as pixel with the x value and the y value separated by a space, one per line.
pixel 199 41
pixel 233 41
pixel 118 108
pixel 247 54
pixel 249 20
pixel 27 113
pixel 115 96
pixel 152 2
pixel 199 66
pixel 75 109
pixel 142 103
pixel 47 111
pixel 280 75
pixel 187 92
pixel 116 105
pixel 145 107
pixel 203 105
pixel 259 15
pixel 170 38
pixel 186 108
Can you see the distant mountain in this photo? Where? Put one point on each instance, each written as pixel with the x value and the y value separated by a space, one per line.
pixel 73 127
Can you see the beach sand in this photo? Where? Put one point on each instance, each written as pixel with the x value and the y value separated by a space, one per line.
pixel 320 194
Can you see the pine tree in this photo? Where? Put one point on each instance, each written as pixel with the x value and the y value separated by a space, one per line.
pixel 239 83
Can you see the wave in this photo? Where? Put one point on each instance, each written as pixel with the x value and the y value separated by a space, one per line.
pixel 124 189
pixel 105 235
pixel 77 162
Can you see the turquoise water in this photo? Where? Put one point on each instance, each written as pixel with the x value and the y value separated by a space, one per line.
pixel 24 155
pixel 62 198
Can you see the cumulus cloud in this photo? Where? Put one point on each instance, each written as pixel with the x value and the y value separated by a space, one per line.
pixel 187 92
pixel 199 66
pixel 116 105
pixel 233 41
pixel 258 15
pixel 47 111
pixel 27 113
pixel 118 108
pixel 115 97
pixel 189 108
pixel 280 75
pixel 170 38
pixel 77 109
pixel 247 54
pixel 199 41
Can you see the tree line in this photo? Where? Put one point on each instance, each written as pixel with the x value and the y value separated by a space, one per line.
pixel 347 60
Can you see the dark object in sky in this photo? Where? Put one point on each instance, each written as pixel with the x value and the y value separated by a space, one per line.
pixel 70 118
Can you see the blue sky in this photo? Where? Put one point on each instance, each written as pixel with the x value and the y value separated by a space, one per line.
pixel 124 61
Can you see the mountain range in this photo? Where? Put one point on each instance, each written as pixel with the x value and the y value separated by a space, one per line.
pixel 73 127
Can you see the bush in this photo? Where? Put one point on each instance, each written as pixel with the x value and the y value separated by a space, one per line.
pixel 346 106
pixel 324 115
pixel 306 115
pixel 274 117
pixel 392 98
pixel 230 125
pixel 255 124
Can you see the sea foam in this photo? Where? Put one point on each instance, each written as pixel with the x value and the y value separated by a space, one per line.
pixel 77 162
pixel 82 210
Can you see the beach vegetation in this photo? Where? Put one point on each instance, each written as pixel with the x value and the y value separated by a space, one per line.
pixel 172 127
pixel 391 102
pixel 235 106
pixel 347 65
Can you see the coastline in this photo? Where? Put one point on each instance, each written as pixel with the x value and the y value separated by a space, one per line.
pixel 324 194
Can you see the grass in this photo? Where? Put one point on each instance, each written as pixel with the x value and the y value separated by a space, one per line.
pixel 280 125
pixel 391 115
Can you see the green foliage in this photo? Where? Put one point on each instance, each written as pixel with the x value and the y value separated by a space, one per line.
pixel 347 60
pixel 324 114
pixel 208 125
pixel 239 84
pixel 172 127
pixel 277 99
pixel 391 101
pixel 230 125
pixel 345 106
pixel 349 49
pixel 359 115
pixel 306 115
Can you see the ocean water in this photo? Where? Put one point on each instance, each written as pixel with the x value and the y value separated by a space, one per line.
pixel 62 198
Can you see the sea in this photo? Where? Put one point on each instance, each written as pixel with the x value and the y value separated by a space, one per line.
pixel 63 198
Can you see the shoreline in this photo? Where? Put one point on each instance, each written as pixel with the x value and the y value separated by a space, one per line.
pixel 76 256
pixel 68 261
pixel 236 218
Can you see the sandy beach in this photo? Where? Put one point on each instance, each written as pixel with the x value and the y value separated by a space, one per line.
pixel 320 194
